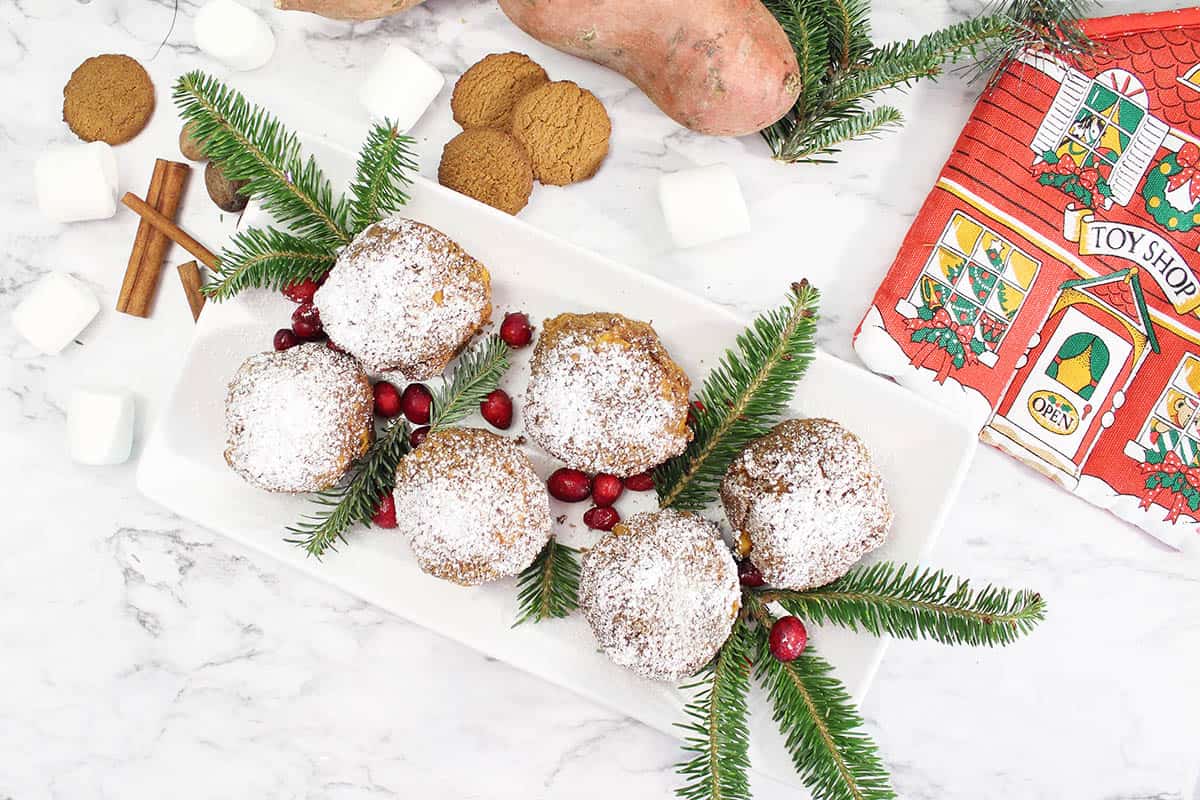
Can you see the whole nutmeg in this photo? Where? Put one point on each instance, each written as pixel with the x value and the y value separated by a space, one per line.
pixel 224 192
pixel 189 145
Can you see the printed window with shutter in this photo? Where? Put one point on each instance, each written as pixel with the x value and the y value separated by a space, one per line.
pixel 1103 123
pixel 1174 423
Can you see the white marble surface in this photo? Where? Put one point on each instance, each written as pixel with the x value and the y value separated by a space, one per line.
pixel 141 656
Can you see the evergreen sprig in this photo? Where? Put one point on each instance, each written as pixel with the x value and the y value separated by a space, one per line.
pixel 841 70
pixel 374 475
pixel 252 145
pixel 384 165
pixel 267 258
pixel 741 399
pixel 478 372
pixel 718 732
pixel 549 587
pixel 912 603
pixel 822 729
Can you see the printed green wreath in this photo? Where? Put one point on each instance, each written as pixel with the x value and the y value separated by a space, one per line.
pixel 744 396
pixel 1154 192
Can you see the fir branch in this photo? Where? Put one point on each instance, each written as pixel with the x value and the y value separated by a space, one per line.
pixel 912 603
pixel 549 587
pixel 253 146
pixel 269 259
pixel 743 396
pixel 806 28
pixel 1049 26
pixel 478 372
pixel 718 733
pixel 822 729
pixel 384 164
pixel 813 146
pixel 849 31
pixel 355 501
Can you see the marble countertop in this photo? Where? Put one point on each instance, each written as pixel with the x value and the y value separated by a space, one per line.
pixel 143 656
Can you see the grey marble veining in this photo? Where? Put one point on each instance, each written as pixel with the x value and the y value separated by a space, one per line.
pixel 145 657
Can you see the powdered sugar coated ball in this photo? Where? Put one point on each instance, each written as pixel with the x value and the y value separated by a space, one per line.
pixel 661 593
pixel 810 500
pixel 605 396
pixel 404 297
pixel 471 506
pixel 295 419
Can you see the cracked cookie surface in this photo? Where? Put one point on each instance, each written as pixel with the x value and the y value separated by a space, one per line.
pixel 565 130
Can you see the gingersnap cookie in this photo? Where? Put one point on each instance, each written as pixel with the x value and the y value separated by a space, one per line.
pixel 109 98
pixel 489 165
pixel 486 93
pixel 564 129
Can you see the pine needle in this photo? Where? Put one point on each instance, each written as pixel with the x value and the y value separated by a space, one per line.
pixel 822 729
pixel 268 259
pixel 911 603
pixel 549 587
pixel 718 732
pixel 253 146
pixel 742 398
pixel 478 372
pixel 384 165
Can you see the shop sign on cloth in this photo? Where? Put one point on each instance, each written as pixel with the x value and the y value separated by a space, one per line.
pixel 1049 289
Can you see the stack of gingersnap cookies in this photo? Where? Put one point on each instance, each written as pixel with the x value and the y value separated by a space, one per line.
pixel 518 127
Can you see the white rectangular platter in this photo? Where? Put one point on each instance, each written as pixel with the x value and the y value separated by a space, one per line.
pixel 922 451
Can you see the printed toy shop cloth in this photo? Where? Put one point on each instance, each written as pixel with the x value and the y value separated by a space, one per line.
pixel 1048 290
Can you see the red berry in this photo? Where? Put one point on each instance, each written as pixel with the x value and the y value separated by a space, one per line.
pixel 788 638
pixel 515 330
pixel 385 512
pixel 285 339
pixel 569 485
pixel 606 489
pixel 497 409
pixel 601 518
pixel 417 403
pixel 303 291
pixel 749 575
pixel 418 436
pixel 640 483
pixel 306 321
pixel 691 418
pixel 387 399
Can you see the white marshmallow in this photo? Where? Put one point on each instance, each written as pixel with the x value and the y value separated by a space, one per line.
pixel 54 312
pixel 400 87
pixel 703 205
pixel 234 35
pixel 100 426
pixel 76 182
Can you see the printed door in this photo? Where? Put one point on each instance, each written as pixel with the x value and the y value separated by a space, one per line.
pixel 1063 392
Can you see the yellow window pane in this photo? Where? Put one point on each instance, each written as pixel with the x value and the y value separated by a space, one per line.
pixel 962 233
pixel 1022 268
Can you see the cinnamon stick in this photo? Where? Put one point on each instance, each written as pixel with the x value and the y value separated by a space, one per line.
pixel 189 276
pixel 172 231
pixel 149 244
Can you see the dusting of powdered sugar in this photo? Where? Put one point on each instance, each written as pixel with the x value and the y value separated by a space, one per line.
pixel 604 395
pixel 810 500
pixel 660 592
pixel 405 297
pixel 471 506
pixel 296 419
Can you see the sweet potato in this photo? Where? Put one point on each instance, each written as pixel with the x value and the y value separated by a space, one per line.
pixel 722 67
pixel 348 9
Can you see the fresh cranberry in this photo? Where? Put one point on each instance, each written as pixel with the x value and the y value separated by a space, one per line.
pixel 417 403
pixel 606 489
pixel 601 518
pixel 691 418
pixel 788 638
pixel 497 409
pixel 643 482
pixel 749 575
pixel 387 399
pixel 569 485
pixel 303 291
pixel 515 330
pixel 285 339
pixel 306 321
pixel 385 512
pixel 419 435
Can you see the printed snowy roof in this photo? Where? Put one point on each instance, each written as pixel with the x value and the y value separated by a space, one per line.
pixel 1163 49
pixel 1123 291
